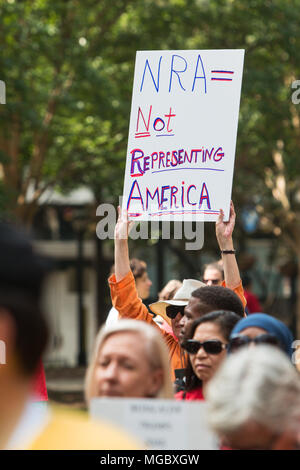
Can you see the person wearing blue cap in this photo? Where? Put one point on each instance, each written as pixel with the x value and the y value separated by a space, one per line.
pixel 260 328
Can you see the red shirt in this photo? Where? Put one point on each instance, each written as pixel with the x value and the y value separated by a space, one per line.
pixel 253 304
pixel 195 394
pixel 39 384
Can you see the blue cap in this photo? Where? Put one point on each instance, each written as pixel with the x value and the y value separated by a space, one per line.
pixel 271 325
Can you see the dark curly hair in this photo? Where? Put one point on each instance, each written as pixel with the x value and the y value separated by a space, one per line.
pixel 218 298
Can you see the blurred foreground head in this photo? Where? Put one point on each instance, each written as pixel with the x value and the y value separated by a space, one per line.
pixel 23 328
pixel 254 400
pixel 130 360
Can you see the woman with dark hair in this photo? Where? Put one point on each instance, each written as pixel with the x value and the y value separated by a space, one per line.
pixel 142 284
pixel 206 343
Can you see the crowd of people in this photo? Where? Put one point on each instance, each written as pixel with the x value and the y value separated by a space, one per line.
pixel 197 342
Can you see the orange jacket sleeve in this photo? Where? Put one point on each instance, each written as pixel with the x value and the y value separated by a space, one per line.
pixel 239 291
pixel 125 299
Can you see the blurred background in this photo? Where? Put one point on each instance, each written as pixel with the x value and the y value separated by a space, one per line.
pixel 68 68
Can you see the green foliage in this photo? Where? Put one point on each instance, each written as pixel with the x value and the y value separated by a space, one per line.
pixel 68 66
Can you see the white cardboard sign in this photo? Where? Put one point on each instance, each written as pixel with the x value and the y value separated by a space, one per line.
pixel 160 424
pixel 182 134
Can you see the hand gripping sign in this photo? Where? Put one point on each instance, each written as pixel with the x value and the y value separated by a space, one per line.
pixel 182 134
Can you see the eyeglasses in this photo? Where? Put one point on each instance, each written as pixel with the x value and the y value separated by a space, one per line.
pixel 214 282
pixel 212 346
pixel 173 310
pixel 239 341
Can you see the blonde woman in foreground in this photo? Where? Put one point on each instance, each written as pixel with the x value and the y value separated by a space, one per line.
pixel 130 360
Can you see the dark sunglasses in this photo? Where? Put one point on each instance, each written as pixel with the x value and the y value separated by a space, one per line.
pixel 212 346
pixel 173 310
pixel 239 341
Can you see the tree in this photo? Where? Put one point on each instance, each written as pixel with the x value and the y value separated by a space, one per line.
pixel 63 99
pixel 68 69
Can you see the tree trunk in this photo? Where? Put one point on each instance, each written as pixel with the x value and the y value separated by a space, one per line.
pixel 25 213
pixel 102 273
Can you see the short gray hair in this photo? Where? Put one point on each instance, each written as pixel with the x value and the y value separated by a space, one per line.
pixel 258 385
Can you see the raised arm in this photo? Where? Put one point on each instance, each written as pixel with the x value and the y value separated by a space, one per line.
pixel 122 229
pixel 123 290
pixel 224 232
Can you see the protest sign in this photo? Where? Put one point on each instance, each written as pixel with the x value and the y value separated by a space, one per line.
pixel 182 134
pixel 160 424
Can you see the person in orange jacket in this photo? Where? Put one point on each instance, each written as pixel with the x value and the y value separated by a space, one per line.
pixel 125 298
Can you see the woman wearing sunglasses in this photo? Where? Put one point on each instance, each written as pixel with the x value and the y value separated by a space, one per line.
pixel 260 328
pixel 206 343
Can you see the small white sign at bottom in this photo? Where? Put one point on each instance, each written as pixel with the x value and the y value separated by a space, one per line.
pixel 160 424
